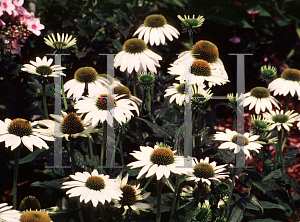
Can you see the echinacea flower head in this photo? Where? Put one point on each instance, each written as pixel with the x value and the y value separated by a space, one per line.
pixel 289 82
pixel 260 98
pixel 201 71
pixel 146 79
pixel 85 77
pixel 177 93
pixel 136 56
pixel 131 196
pixel 106 107
pixel 154 30
pixel 191 24
pixel 200 96
pixel 42 67
pixel 280 119
pixel 62 42
pixel 268 138
pixel 7 214
pixel 204 212
pixel 236 141
pixel 258 125
pixel 93 187
pixel 35 216
pixel 236 102
pixel 17 131
pixel 34 25
pixel 159 160
pixel 30 203
pixel 125 91
pixel 205 172
pixel 268 73
pixel 71 125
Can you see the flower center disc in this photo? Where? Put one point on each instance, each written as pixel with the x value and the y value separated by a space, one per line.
pixel 134 46
pixel 59 45
pixel 20 127
pixel 260 124
pixel 86 75
pixel 95 183
pixel 71 124
pixel 205 50
pixel 263 139
pixel 280 118
pixel 30 203
pixel 129 195
pixel 44 70
pixel 162 156
pixel 121 90
pixel 291 75
pixel 200 68
pixel 34 216
pixel 267 73
pixel 155 21
pixel 260 92
pixel 240 140
pixel 146 79
pixel 181 88
pixel 105 102
pixel 204 170
pixel 191 22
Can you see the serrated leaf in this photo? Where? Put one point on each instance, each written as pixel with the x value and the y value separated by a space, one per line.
pixel 53 184
pixel 185 214
pixel 38 154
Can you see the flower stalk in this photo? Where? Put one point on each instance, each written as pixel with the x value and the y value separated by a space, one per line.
pixel 231 191
pixel 103 145
pixel 159 188
pixel 15 181
pixel 44 98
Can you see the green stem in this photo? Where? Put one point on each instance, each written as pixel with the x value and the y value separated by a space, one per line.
pixel 103 145
pixel 175 196
pixel 191 39
pixel 198 193
pixel 146 185
pixel 63 94
pixel 231 191
pixel 73 164
pixel 255 162
pixel 91 149
pixel 280 136
pixel 234 122
pixel 149 101
pixel 159 188
pixel 134 83
pixel 199 123
pixel 44 98
pixel 15 182
pixel 116 145
pixel 121 153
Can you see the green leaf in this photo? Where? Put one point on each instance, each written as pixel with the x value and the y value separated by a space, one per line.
pixel 117 44
pixel 158 130
pixel 131 172
pixel 185 214
pixel 269 205
pixel 237 211
pixel 53 184
pixel 80 25
pixel 262 11
pixel 92 164
pixel 169 183
pixel 38 154
pixel 255 202
pixel 273 175
pixel 298 28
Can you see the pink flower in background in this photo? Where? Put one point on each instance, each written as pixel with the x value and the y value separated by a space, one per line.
pixel 235 39
pixel 2 23
pixel 6 6
pixel 18 2
pixel 15 47
pixel 253 13
pixel 34 26
pixel 25 14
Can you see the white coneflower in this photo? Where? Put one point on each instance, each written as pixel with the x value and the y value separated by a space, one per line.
pixel 18 130
pixel 191 24
pixel 280 119
pixel 136 56
pixel 131 196
pixel 236 141
pixel 158 160
pixel 85 77
pixel 177 93
pixel 105 105
pixel 289 82
pixel 7 214
pixel 42 67
pixel 92 187
pixel 260 98
pixel 268 73
pixel 154 30
pixel 204 171
pixel 62 42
